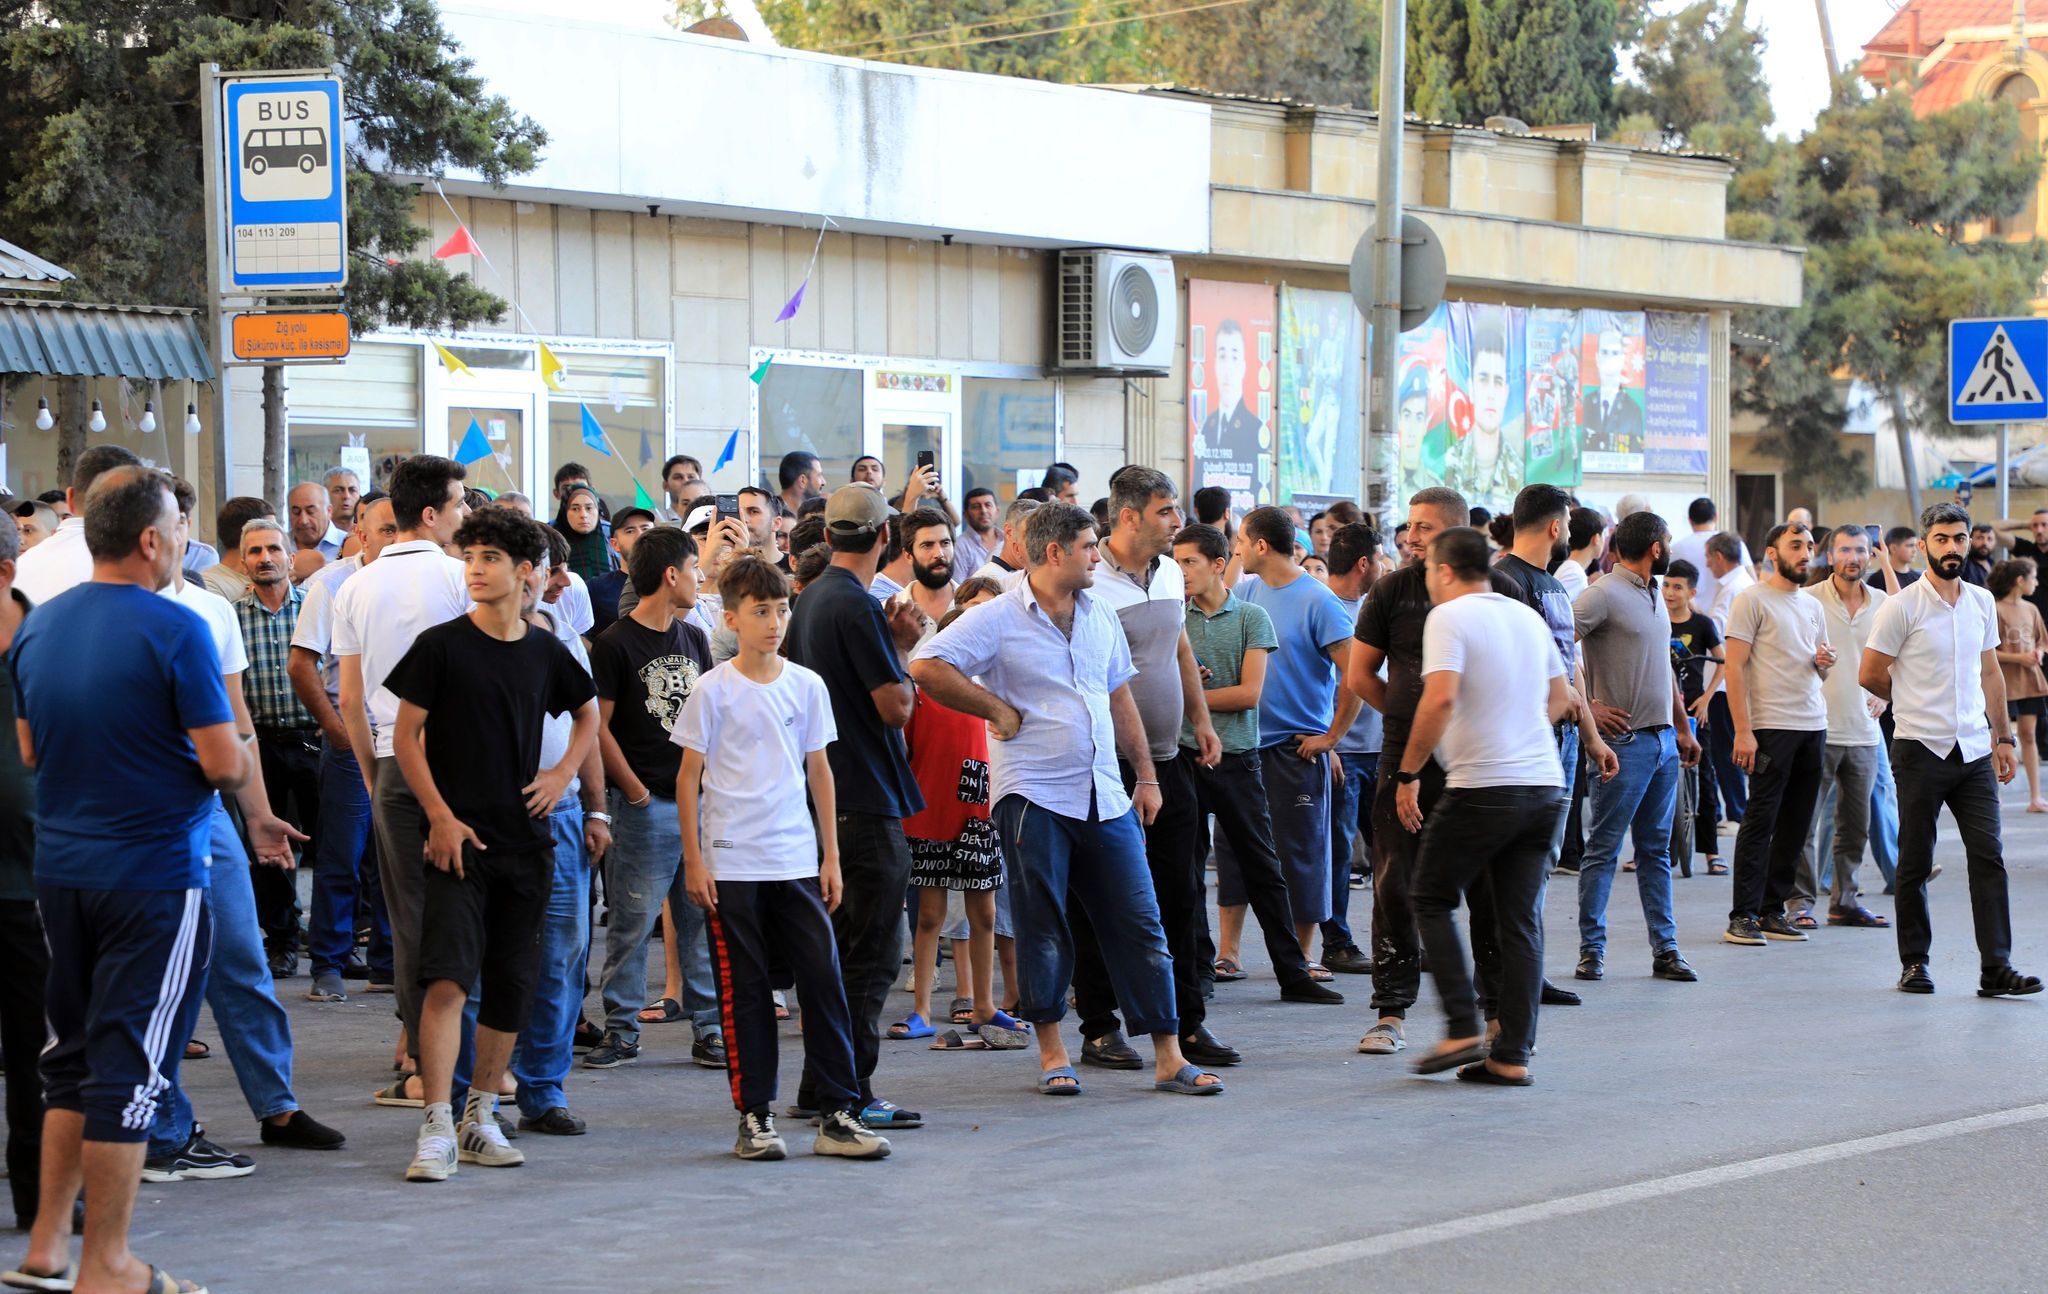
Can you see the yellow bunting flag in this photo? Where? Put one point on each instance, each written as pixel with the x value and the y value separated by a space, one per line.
pixel 448 360
pixel 552 370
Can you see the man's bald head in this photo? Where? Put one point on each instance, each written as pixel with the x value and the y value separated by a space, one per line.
pixel 311 511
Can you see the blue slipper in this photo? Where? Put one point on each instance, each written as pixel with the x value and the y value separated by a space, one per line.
pixel 911 1026
pixel 887 1116
pixel 1072 1087
pixel 1185 1083
pixel 1003 1020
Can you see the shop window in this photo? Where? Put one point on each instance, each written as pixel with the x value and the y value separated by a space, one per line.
pixel 817 410
pixel 624 395
pixel 1011 426
pixel 371 400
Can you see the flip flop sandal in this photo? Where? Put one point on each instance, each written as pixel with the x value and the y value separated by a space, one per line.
pixel 162 1282
pixel 1479 1073
pixel 1805 921
pixel 1227 969
pixel 951 1040
pixel 395 1096
pixel 1629 866
pixel 666 1011
pixel 1186 1081
pixel 1715 867
pixel 23 1279
pixel 961 1010
pixel 887 1116
pixel 911 1026
pixel 2007 982
pixel 197 1050
pixel 781 1006
pixel 1001 1020
pixel 1436 1062
pixel 1319 973
pixel 1381 1040
pixel 1049 1086
pixel 1004 1032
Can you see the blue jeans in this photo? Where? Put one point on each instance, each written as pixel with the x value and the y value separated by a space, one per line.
pixel 1637 803
pixel 1884 822
pixel 645 866
pixel 1102 865
pixel 342 859
pixel 541 1061
pixel 253 1027
pixel 1350 810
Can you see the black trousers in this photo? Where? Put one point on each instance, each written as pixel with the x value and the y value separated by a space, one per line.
pixel 291 778
pixel 1234 792
pixel 1173 853
pixel 1396 944
pixel 874 867
pixel 1503 835
pixel 760 924
pixel 1970 790
pixel 24 969
pixel 1573 850
pixel 1783 787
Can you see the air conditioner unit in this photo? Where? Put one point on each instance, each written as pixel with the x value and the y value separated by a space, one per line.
pixel 1118 312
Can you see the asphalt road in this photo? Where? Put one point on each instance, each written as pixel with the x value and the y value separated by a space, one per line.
pixel 1790 1122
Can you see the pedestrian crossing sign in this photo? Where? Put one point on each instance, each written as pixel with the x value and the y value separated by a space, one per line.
pixel 1995 370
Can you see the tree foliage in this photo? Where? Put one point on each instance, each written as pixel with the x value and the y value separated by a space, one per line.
pixel 1544 61
pixel 1699 80
pixel 100 167
pixel 1078 40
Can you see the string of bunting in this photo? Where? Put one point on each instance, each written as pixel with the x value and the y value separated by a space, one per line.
pixel 475 446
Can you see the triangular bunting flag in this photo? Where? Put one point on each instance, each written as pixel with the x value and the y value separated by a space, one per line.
pixel 552 370
pixel 593 435
pixel 474 448
pixel 646 450
pixel 761 372
pixel 732 446
pixel 461 244
pixel 641 499
pixel 795 303
pixel 448 360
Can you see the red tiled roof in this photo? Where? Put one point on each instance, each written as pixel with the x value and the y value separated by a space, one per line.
pixel 1936 19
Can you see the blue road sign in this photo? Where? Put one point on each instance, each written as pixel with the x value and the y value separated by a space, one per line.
pixel 1995 370
pixel 287 213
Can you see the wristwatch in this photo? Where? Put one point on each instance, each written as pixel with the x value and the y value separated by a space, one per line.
pixel 595 816
pixel 1404 777
pixel 2009 740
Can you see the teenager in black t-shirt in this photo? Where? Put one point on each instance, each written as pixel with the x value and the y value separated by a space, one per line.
pixel 473 695
pixel 1693 634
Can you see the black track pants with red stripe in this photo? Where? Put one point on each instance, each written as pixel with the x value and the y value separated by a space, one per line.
pixel 784 923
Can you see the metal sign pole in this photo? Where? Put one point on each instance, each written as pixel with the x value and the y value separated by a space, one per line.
pixel 2004 466
pixel 1386 311
pixel 217 401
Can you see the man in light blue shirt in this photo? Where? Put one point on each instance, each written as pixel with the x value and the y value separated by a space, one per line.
pixel 1055 673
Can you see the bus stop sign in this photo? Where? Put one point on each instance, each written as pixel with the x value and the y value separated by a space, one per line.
pixel 287 212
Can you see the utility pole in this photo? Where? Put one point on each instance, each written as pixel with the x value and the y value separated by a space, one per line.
pixel 1827 44
pixel 1386 270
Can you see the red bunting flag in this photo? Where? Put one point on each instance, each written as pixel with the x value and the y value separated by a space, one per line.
pixel 459 245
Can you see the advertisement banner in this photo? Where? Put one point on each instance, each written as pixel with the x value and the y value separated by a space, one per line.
pixel 1484 462
pixel 1611 389
pixel 1321 372
pixel 1554 427
pixel 1676 395
pixel 1231 383
pixel 1425 406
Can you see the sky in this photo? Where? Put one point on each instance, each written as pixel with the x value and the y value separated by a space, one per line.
pixel 1792 58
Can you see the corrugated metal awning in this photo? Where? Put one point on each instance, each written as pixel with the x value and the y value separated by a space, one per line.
pixel 24 271
pixel 58 339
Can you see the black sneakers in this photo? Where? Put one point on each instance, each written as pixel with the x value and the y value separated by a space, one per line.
pixel 841 1133
pixel 616 1050
pixel 197 1160
pixel 1744 930
pixel 301 1132
pixel 707 1051
pixel 1776 925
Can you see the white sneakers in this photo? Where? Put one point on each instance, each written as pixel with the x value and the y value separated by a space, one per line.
pixel 443 1144
pixel 433 1159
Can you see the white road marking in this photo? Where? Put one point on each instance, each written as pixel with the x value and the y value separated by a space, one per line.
pixel 1308 1260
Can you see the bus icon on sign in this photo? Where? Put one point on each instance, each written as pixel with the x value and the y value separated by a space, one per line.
pixel 302 150
pixel 285 147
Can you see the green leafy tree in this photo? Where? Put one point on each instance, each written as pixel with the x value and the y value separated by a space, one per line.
pixel 100 166
pixel 1544 61
pixel 1079 40
pixel 1699 80
pixel 1883 202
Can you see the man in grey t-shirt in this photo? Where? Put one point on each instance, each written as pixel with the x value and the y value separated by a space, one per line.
pixel 1636 702
pixel 1778 653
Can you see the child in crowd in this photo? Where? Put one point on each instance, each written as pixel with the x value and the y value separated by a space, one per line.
pixel 2022 637
pixel 1697 635
pixel 754 734
pixel 490 859
pixel 954 850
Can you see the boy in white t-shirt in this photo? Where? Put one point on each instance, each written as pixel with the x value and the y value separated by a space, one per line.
pixel 753 733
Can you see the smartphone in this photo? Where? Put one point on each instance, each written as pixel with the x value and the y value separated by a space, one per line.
pixel 925 458
pixel 1876 535
pixel 728 505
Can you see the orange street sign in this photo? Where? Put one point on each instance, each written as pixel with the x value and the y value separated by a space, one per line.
pixel 271 338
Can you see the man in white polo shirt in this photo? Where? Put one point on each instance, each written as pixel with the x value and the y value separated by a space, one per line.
pixel 1933 655
pixel 61 561
pixel 411 587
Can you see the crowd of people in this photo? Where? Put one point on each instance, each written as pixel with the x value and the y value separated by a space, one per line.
pixel 789 734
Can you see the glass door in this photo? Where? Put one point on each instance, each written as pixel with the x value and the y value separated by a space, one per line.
pixel 504 425
pixel 913 412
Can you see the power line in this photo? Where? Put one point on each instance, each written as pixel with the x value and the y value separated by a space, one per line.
pixel 942 31
pixel 1054 31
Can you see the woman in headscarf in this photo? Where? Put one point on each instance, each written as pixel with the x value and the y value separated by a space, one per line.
pixel 589 555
